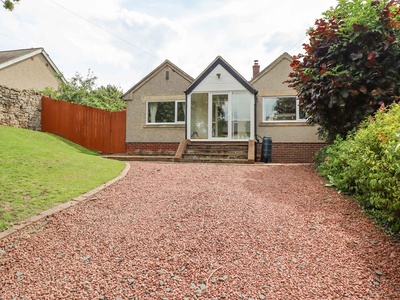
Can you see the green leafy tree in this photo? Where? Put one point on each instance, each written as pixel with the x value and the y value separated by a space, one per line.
pixel 84 91
pixel 351 65
pixel 9 4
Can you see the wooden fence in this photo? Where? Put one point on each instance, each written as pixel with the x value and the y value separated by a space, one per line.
pixel 92 128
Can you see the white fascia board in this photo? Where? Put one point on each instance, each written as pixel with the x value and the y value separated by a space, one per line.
pixel 53 65
pixel 20 58
pixel 29 55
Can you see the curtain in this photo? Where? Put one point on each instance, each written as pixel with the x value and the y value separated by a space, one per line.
pixel 153 111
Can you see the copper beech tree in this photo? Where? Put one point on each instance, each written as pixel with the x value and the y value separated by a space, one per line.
pixel 351 65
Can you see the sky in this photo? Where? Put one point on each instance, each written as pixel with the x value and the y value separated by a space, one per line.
pixel 121 41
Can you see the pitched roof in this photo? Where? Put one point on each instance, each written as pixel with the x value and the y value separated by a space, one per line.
pixel 10 57
pixel 220 61
pixel 272 65
pixel 153 73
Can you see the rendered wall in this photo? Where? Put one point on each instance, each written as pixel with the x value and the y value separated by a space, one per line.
pixel 270 85
pixel 156 88
pixel 33 73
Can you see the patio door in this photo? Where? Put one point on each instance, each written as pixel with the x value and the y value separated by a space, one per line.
pixel 220 115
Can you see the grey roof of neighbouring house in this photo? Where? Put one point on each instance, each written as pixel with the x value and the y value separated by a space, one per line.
pixel 10 57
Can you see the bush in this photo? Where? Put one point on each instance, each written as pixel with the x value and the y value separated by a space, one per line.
pixel 350 66
pixel 85 91
pixel 367 165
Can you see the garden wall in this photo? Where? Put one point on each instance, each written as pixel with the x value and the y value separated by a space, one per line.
pixel 20 108
pixel 292 152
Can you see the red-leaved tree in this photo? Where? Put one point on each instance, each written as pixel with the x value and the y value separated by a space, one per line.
pixel 351 65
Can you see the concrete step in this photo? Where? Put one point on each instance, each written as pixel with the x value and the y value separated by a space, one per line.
pixel 140 158
pixel 215 154
pixel 217 151
pixel 214 160
pixel 217 146
pixel 228 155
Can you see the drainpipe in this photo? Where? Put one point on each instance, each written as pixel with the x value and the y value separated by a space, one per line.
pixel 255 125
pixel 186 108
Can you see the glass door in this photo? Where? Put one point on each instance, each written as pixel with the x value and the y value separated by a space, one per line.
pixel 241 115
pixel 220 116
pixel 199 116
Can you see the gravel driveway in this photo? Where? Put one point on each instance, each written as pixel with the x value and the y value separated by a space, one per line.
pixel 204 231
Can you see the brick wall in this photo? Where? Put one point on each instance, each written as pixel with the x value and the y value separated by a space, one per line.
pixel 292 152
pixel 163 149
pixel 20 108
pixel 281 152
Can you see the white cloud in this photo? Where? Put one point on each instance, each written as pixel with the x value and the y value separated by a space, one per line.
pixel 144 33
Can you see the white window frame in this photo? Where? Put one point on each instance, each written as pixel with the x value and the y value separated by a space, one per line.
pixel 282 121
pixel 165 123
pixel 176 111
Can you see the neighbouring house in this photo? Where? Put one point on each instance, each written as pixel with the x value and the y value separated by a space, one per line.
pixel 28 69
pixel 169 110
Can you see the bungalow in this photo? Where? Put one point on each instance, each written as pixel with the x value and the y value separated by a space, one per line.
pixel 155 111
pixel 27 69
pixel 168 109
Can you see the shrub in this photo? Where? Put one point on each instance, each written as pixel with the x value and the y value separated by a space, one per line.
pixel 85 91
pixel 367 165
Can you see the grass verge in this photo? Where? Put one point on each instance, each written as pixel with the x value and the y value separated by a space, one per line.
pixel 39 170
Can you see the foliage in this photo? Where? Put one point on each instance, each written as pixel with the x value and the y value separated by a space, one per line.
pixel 84 91
pixel 367 165
pixel 9 4
pixel 285 105
pixel 165 112
pixel 351 65
pixel 38 170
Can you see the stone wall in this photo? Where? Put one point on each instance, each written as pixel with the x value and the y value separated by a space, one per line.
pixel 20 108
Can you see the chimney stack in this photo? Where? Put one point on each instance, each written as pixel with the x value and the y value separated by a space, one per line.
pixel 256 68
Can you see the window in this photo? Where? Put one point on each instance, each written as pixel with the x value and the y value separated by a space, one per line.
pixel 199 115
pixel 166 112
pixel 241 115
pixel 282 109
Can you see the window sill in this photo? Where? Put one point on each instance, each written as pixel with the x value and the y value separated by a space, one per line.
pixel 164 126
pixel 285 124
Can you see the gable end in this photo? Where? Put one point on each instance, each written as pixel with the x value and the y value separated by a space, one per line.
pixel 228 68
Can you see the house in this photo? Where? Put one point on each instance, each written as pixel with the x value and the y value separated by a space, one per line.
pixel 155 111
pixel 220 105
pixel 27 69
pixel 279 116
pixel 168 110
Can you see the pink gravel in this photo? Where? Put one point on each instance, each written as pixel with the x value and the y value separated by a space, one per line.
pixel 204 231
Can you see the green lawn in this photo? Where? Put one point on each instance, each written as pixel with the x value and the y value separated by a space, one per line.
pixel 39 170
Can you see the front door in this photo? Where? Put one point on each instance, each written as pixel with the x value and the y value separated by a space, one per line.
pixel 220 114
